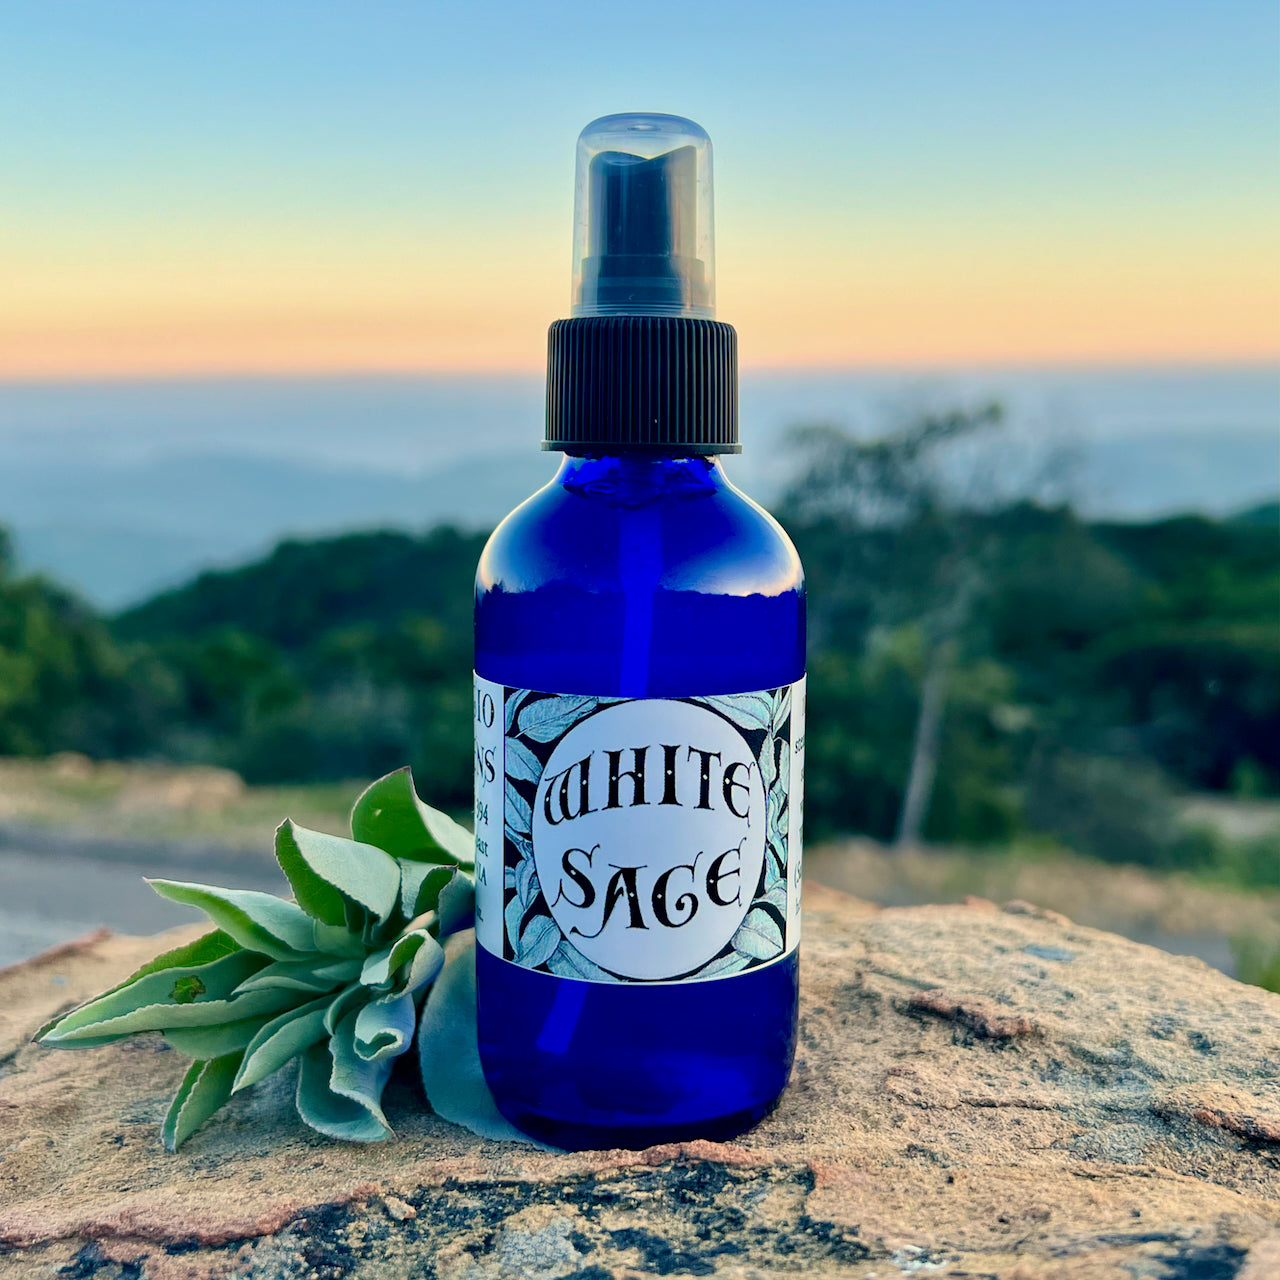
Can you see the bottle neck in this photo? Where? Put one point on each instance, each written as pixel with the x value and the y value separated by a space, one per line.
pixel 633 478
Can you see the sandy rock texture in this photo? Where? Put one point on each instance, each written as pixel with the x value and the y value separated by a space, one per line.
pixel 979 1092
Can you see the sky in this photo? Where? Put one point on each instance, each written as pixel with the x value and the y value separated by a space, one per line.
pixel 225 187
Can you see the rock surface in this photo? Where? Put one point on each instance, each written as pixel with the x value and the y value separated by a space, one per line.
pixel 978 1092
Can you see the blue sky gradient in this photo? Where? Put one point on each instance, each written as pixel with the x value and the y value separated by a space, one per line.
pixel 399 172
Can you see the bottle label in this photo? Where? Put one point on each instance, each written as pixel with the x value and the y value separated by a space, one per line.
pixel 638 839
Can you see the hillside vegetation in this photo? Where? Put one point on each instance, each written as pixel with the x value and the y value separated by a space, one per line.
pixel 980 671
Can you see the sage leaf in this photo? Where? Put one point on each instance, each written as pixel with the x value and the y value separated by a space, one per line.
pixel 420 885
pixel 346 1001
pixel 165 1017
pixel 391 816
pixel 384 1028
pixel 328 872
pixel 162 993
pixel 380 967
pixel 258 921
pixel 457 904
pixel 328 1112
pixel 281 1039
pixel 337 940
pixel 356 1078
pixel 758 936
pixel 448 1054
pixel 188 957
pixel 216 1041
pixel 423 968
pixel 302 976
pixel 204 1090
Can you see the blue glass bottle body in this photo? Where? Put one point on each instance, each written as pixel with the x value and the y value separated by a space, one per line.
pixel 638 576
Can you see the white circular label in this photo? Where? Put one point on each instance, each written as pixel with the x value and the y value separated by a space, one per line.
pixel 649 836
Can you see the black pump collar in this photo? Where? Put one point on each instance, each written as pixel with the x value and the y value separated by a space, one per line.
pixel 666 384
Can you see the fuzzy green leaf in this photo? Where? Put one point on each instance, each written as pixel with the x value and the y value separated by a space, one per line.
pixel 204 1090
pixel 409 965
pixel 257 921
pixel 391 816
pixel 191 955
pixel 303 976
pixel 384 1028
pixel 281 1039
pixel 341 1096
pixel 353 1076
pixel 165 994
pixel 347 1001
pixel 337 940
pixel 167 1016
pixel 420 885
pixel 216 1041
pixel 457 905
pixel 447 1050
pixel 329 873
pixel 422 969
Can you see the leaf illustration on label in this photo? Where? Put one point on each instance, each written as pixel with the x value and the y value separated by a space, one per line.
pixel 549 718
pixel 519 815
pixel 514 702
pixel 782 709
pixel 758 936
pixel 539 939
pixel 776 897
pixel 636 839
pixel 747 710
pixel 522 765
pixel 725 965
pixel 512 914
pixel 773 873
pixel 567 962
pixel 769 761
pixel 526 883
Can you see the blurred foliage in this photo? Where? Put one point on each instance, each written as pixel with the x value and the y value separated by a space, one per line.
pixel 1092 671
pixel 1257 963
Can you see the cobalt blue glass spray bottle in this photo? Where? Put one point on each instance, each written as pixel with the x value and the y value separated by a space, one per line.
pixel 639 703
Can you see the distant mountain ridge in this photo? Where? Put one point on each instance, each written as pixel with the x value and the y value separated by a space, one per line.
pixel 120 491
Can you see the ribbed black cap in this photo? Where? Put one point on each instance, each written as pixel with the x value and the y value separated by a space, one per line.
pixel 668 384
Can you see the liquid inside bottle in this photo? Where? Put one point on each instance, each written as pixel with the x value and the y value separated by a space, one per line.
pixel 639 705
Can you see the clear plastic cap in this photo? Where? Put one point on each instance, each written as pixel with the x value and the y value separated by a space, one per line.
pixel 643 242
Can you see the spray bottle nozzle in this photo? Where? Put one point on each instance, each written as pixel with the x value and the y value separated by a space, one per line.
pixel 642 235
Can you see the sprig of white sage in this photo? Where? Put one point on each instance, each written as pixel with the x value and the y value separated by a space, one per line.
pixel 336 977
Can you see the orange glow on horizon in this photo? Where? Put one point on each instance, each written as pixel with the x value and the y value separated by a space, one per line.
pixel 946 332
pixel 994 304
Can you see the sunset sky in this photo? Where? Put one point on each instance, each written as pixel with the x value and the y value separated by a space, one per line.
pixel 269 186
